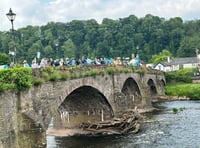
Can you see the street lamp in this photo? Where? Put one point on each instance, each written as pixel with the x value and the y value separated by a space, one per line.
pixel 11 16
pixel 198 56
pixel 137 48
pixel 57 44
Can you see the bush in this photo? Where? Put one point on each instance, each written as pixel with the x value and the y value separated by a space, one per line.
pixel 183 75
pixel 55 76
pixel 110 70
pixel 23 78
pixel 37 81
pixel 45 76
pixel 175 110
pixel 16 78
pixel 4 87
pixel 64 76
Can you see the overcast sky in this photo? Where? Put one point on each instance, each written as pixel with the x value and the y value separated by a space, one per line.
pixel 40 12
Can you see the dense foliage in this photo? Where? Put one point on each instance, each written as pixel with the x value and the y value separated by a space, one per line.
pixel 4 59
pixel 111 38
pixel 182 75
pixel 161 57
pixel 15 78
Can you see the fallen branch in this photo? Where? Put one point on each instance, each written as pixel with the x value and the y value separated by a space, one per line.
pixel 128 122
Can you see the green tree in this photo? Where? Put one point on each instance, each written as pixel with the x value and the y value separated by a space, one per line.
pixel 161 57
pixel 49 52
pixel 4 59
pixel 188 46
pixel 112 38
pixel 68 49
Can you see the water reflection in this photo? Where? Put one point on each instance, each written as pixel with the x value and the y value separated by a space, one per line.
pixel 89 142
pixel 180 130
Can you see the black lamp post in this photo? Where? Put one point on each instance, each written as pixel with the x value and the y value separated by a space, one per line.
pixel 137 48
pixel 57 44
pixel 11 16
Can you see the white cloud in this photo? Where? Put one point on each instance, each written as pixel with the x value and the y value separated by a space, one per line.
pixel 40 12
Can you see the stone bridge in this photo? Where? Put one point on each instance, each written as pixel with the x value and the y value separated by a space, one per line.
pixel 65 104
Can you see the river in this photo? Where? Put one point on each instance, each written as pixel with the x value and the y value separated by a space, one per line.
pixel 170 130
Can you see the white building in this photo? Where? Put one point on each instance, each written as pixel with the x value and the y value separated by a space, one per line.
pixel 178 63
pixel 163 66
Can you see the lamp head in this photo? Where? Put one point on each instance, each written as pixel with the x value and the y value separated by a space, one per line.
pixel 11 16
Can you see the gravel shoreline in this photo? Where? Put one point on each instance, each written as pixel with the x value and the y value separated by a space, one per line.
pixel 65 132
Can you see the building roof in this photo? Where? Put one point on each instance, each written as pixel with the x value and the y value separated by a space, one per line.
pixel 181 61
pixel 165 64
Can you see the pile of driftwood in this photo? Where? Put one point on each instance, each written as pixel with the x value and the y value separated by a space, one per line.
pixel 129 122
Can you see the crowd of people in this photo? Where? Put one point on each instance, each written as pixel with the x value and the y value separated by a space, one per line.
pixel 134 61
pixel 83 61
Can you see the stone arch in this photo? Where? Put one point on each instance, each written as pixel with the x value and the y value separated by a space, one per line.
pixel 132 92
pixel 163 83
pixel 152 87
pixel 84 104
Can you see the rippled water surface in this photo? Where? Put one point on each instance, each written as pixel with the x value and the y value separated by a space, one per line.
pixel 180 130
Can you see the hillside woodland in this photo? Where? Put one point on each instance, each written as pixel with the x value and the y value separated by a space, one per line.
pixel 146 36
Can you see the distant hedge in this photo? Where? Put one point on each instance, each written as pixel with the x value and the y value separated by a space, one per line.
pixel 183 75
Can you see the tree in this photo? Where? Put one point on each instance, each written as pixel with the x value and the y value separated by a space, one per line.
pixel 111 38
pixel 49 52
pixel 188 46
pixel 68 49
pixel 161 57
pixel 4 59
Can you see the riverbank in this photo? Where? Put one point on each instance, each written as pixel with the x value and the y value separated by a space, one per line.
pixel 183 90
pixel 170 98
pixel 65 132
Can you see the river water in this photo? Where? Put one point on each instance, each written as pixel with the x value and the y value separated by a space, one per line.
pixel 170 130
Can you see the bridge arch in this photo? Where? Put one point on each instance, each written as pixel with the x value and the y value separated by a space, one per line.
pixel 152 87
pixel 84 104
pixel 163 83
pixel 132 92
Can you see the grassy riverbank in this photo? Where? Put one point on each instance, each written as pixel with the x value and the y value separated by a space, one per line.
pixel 179 83
pixel 189 90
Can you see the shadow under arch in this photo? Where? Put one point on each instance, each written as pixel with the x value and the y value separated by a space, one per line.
pixel 152 87
pixel 84 104
pixel 163 83
pixel 132 92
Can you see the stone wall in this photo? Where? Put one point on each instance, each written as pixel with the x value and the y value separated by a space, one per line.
pixel 8 119
pixel 15 128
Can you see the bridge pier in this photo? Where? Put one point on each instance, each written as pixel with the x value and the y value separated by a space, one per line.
pixel 29 134
pixel 146 97
pixel 16 129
